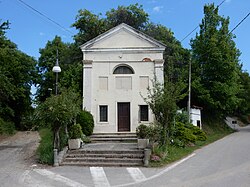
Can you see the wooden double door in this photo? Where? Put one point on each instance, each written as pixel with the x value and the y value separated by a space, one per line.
pixel 123 112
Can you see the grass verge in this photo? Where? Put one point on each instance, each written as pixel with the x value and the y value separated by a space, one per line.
pixel 214 132
pixel 45 149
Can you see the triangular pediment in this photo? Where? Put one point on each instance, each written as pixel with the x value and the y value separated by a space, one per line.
pixel 122 37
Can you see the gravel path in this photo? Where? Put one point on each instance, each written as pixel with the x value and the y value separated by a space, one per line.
pixel 17 154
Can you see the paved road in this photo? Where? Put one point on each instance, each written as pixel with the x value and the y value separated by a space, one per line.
pixel 223 163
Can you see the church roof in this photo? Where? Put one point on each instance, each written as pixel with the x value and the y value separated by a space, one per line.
pixel 123 37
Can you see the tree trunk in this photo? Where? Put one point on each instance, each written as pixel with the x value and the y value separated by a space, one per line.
pixel 66 131
pixel 57 139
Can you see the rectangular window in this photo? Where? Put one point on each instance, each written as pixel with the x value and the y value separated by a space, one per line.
pixel 123 83
pixel 103 113
pixel 143 112
pixel 103 83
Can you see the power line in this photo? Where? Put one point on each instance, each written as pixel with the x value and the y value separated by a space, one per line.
pixel 239 23
pixel 43 15
pixel 198 25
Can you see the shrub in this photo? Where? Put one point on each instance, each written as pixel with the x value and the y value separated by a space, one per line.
pixel 75 131
pixel 85 119
pixel 6 127
pixel 142 131
pixel 184 134
pixel 182 117
pixel 86 139
pixel 200 134
pixel 159 153
pixel 154 132
pixel 45 149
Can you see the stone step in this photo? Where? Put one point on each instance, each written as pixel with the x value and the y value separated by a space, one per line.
pixel 113 137
pixel 101 164
pixel 105 154
pixel 83 151
pixel 104 160
pixel 115 134
pixel 92 155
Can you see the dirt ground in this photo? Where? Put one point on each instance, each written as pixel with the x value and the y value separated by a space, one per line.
pixel 26 141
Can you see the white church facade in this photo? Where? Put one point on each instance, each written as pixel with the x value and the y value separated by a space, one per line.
pixel 119 66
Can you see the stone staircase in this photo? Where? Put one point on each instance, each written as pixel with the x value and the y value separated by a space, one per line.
pixel 107 149
pixel 114 137
pixel 104 158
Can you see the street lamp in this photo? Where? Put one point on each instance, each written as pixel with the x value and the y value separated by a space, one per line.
pixel 56 69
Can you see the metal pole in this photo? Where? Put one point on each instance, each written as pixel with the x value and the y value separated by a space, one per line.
pixel 189 92
pixel 57 64
pixel 56 83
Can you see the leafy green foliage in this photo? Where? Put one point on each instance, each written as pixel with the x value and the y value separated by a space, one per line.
pixel 75 131
pixel 154 133
pixel 162 101
pixel 6 127
pixel 182 117
pixel 85 119
pixel 184 134
pixel 215 65
pixel 176 57
pixel 70 62
pixel 150 131
pixel 142 131
pixel 244 95
pixel 133 15
pixel 58 111
pixel 89 26
pixel 45 149
pixel 17 74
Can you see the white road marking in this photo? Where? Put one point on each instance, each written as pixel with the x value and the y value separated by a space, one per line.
pixel 58 177
pixel 99 177
pixel 160 173
pixel 136 174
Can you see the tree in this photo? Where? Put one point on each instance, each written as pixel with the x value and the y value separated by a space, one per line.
pixel 244 95
pixel 89 26
pixel 57 112
pixel 176 57
pixel 215 65
pixel 133 15
pixel 17 74
pixel 162 100
pixel 70 63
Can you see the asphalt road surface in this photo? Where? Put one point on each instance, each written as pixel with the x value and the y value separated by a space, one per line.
pixel 223 163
